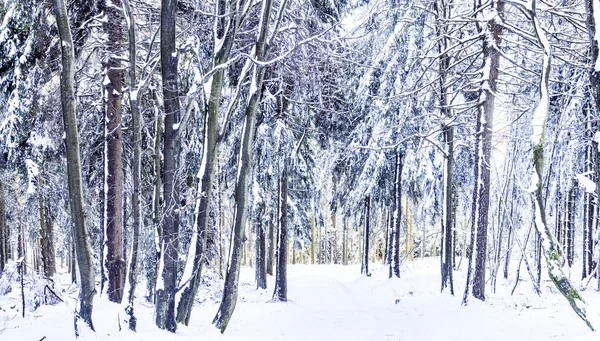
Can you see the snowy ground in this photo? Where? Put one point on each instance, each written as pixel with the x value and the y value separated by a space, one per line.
pixel 331 302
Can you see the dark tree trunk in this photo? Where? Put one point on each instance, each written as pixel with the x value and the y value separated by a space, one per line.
pixel 570 225
pixel 395 235
pixel 281 255
pixel 211 144
pixel 230 290
pixel 272 243
pixel 165 296
pixel 3 229
pixel 137 167
pixel 481 193
pixel 67 92
pixel 364 268
pixel 50 248
pixel 261 265
pixel 115 262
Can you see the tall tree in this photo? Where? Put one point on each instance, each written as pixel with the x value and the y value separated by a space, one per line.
pixel 230 290
pixel 226 29
pixel 395 231
pixel 67 94
pixel 166 290
pixel 3 229
pixel 481 192
pixel 113 175
pixel 364 268
pixel 281 253
pixel 137 165
pixel 442 10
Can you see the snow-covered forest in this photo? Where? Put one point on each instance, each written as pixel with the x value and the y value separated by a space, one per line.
pixel 299 169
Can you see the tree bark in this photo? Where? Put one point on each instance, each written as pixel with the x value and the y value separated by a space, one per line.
pixel 165 295
pixel 481 193
pixel 230 290
pixel 281 256
pixel 395 234
pixel 548 242
pixel 364 268
pixel 272 244
pixel 3 229
pixel 115 262
pixel 137 167
pixel 67 93
pixel 261 265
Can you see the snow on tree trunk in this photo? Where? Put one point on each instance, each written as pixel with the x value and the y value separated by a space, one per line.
pixel 3 229
pixel 137 167
pixel 548 242
pixel 395 233
pixel 115 261
pixel 83 253
pixel 230 290
pixel 165 297
pixel 481 193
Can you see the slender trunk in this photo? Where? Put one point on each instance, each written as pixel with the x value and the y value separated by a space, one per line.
pixel 3 229
pixel 137 167
pixel 43 237
pixel 67 92
pixel 157 205
pixel 280 292
pixel 312 239
pixel 395 235
pixel 548 242
pixel 230 290
pixel 345 249
pixel 261 266
pixel 272 243
pixel 165 293
pixel 364 268
pixel 50 248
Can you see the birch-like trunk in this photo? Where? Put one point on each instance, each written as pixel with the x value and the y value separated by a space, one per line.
pixel 230 290
pixel 549 244
pixel 83 253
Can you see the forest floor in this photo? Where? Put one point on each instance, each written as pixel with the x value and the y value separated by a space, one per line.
pixel 327 302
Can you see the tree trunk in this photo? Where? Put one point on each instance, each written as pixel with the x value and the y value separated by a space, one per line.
pixel 157 205
pixel 165 294
pixel 67 92
pixel 364 268
pixel 43 238
pixel 261 265
pixel 211 144
pixel 395 235
pixel 137 167
pixel 3 229
pixel 548 242
pixel 280 292
pixel 481 193
pixel 50 248
pixel 272 243
pixel 230 290
pixel 115 262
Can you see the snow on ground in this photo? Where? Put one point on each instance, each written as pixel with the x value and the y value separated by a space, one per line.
pixel 330 302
